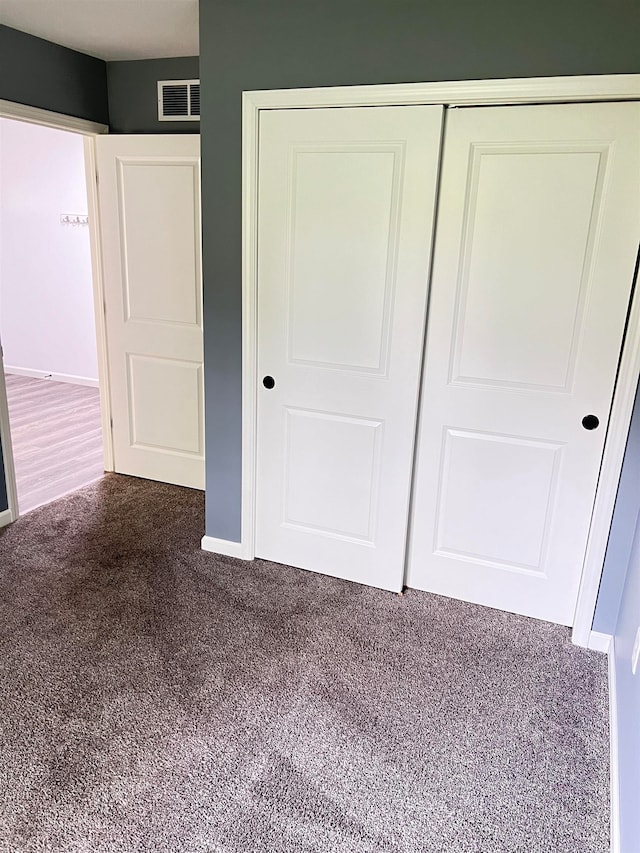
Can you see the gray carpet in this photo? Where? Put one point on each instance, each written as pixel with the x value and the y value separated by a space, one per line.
pixel 157 698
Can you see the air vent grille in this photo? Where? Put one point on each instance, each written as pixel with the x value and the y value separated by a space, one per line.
pixel 178 100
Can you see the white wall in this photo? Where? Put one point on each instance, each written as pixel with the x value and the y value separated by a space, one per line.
pixel 46 299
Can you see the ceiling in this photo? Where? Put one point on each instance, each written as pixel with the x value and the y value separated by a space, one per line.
pixel 110 29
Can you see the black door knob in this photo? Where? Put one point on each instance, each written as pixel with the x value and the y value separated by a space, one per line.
pixel 269 382
pixel 590 422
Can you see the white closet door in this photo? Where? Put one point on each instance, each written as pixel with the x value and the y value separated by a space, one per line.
pixel 538 228
pixel 149 192
pixel 346 206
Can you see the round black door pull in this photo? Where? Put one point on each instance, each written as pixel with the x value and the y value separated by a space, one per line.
pixel 590 422
pixel 269 382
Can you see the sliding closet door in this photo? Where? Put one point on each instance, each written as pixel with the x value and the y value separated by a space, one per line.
pixel 346 206
pixel 538 229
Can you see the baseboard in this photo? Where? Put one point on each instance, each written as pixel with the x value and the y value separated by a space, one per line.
pixel 599 642
pixel 225 547
pixel 53 377
pixel 6 517
pixel 613 755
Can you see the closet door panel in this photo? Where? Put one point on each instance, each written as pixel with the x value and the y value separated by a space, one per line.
pixel 346 210
pixel 537 235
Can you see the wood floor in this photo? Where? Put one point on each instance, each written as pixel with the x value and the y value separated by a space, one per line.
pixel 57 438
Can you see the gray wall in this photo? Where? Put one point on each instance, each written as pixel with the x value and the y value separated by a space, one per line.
pixel 250 44
pixel 622 531
pixel 628 700
pixel 41 74
pixel 618 613
pixel 132 86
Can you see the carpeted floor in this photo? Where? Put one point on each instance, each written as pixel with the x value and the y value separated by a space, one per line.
pixel 157 698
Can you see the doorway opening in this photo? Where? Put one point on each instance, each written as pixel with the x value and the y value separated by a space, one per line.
pixel 47 319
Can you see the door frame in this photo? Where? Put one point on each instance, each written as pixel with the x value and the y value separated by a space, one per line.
pixel 541 90
pixel 90 131
pixel 10 514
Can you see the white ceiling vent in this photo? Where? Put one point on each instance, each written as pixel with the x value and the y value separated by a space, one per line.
pixel 178 100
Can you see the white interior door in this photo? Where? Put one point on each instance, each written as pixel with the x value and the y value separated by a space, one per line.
pixel 346 206
pixel 538 228
pixel 149 194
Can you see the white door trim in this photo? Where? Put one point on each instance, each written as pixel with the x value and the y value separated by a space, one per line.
pixel 250 123
pixel 458 93
pixel 614 765
pixel 34 115
pixel 88 129
pixel 599 642
pixel 613 456
pixel 95 240
pixel 11 514
pixel 527 90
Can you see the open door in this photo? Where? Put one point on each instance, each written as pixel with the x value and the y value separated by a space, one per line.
pixel 149 200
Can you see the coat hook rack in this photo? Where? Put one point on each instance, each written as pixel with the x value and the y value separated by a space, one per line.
pixel 74 219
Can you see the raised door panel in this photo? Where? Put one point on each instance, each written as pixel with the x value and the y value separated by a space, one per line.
pixel 495 499
pixel 160 240
pixel 336 495
pixel 523 285
pixel 345 198
pixel 177 429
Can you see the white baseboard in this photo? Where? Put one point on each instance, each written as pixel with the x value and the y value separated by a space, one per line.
pixel 599 642
pixel 53 377
pixel 613 754
pixel 224 546
pixel 6 517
